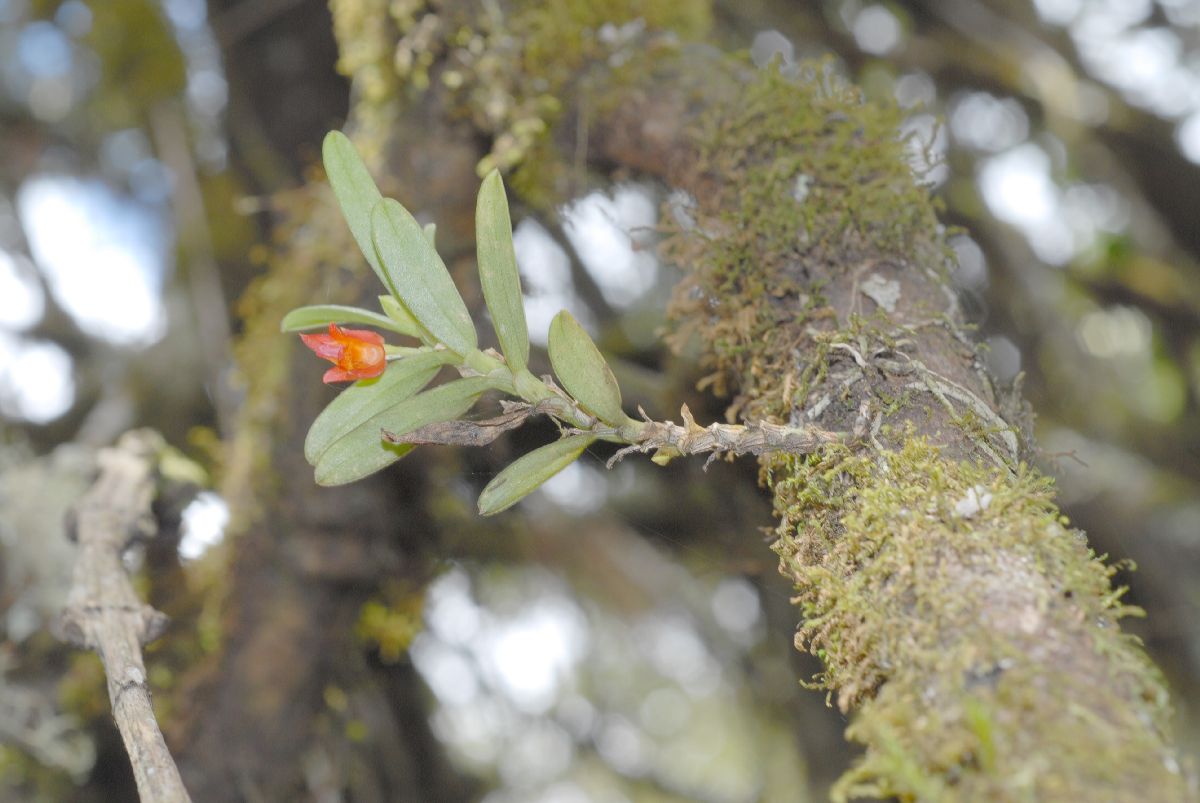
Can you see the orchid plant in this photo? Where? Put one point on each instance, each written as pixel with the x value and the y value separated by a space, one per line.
pixel 390 408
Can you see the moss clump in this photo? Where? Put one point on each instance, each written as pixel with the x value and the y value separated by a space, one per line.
pixel 973 630
pixel 141 65
pixel 537 59
pixel 807 182
pixel 510 70
pixel 390 621
pixel 366 32
pixel 814 163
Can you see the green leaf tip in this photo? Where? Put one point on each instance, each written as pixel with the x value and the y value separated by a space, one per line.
pixel 420 277
pixel 498 272
pixel 529 471
pixel 584 373
pixel 356 193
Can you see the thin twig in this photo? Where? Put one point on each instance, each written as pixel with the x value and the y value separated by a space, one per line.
pixel 103 613
pixel 668 439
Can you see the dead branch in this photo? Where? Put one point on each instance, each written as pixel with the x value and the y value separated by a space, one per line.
pixel 103 613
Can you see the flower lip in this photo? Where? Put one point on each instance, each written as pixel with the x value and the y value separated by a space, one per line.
pixel 355 353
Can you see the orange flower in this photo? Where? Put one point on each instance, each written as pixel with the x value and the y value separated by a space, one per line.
pixel 355 353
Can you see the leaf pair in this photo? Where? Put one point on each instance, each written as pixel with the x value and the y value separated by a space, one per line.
pixel 585 375
pixel 345 444
pixel 407 263
pixel 397 248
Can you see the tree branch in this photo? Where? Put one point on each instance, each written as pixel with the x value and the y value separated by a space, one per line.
pixel 103 613
pixel 972 634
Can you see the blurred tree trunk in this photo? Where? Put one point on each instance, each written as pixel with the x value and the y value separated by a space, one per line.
pixel 291 677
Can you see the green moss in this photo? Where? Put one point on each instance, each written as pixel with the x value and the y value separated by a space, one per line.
pixel 817 163
pixel 558 44
pixel 366 35
pixel 808 181
pixel 391 620
pixel 141 64
pixel 896 554
pixel 511 70
pixel 306 263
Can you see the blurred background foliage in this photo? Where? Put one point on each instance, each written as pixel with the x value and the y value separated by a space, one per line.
pixel 624 636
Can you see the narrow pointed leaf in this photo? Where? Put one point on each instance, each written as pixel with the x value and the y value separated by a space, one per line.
pixel 401 317
pixel 430 230
pixel 366 398
pixel 356 193
pixel 582 370
pixel 529 471
pixel 320 316
pixel 420 277
pixel 498 271
pixel 362 451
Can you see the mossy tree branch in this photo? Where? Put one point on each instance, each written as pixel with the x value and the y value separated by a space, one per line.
pixel 972 633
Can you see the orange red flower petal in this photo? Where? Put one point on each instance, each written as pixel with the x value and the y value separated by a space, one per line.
pixel 355 353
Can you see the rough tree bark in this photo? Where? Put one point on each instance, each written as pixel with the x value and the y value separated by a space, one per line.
pixel 104 613
pixel 970 631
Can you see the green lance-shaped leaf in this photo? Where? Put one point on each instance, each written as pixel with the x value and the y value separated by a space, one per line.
pixel 356 193
pixel 498 271
pixel 362 451
pixel 582 370
pixel 420 277
pixel 321 315
pixel 529 471
pixel 369 397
